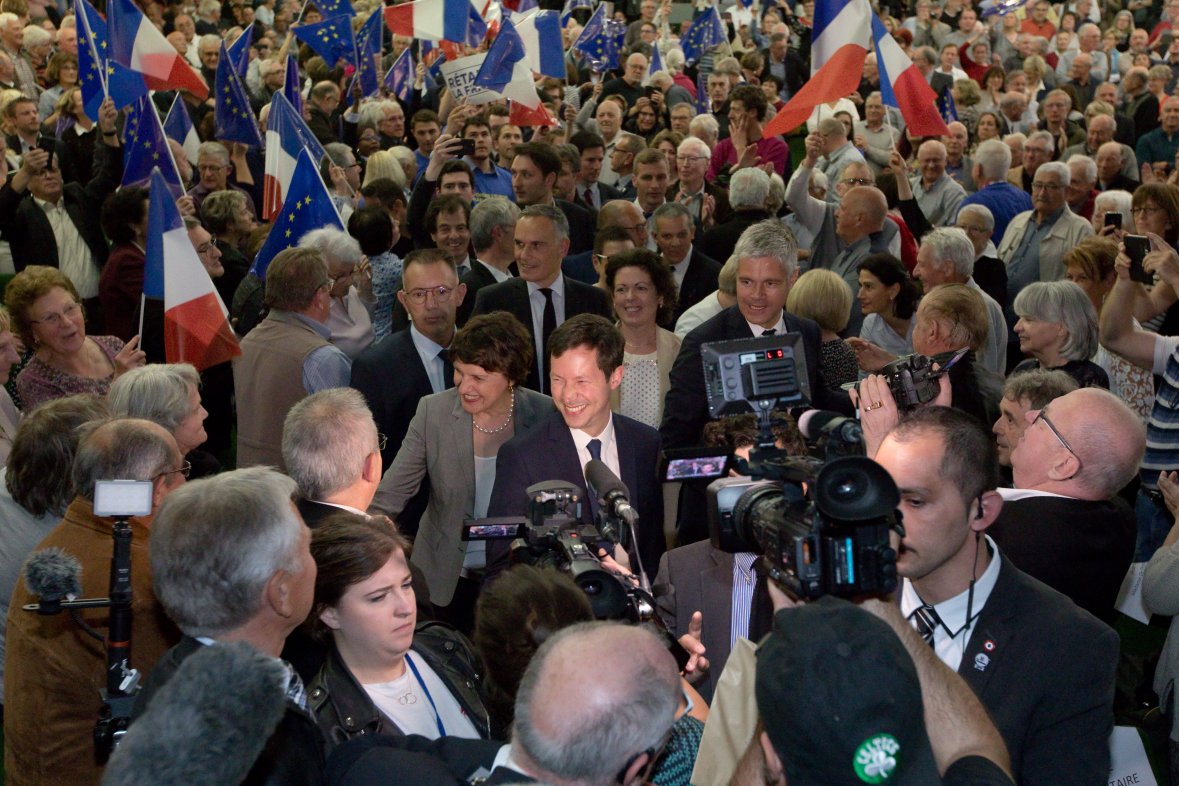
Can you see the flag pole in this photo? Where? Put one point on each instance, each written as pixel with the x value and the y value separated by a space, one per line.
pixel 142 308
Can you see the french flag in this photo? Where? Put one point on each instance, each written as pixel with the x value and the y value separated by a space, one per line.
pixel 178 126
pixel 841 38
pixel 541 33
pixel 196 323
pixel 287 135
pixel 137 44
pixel 434 20
pixel 903 86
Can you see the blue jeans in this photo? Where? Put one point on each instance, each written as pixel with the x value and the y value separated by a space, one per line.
pixel 1154 522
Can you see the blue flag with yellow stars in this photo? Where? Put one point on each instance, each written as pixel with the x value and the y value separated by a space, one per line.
pixel 601 40
pixel 232 115
pixel 98 75
pixel 149 150
pixel 239 50
pixel 292 85
pixel 335 8
pixel 399 78
pixel 368 47
pixel 707 31
pixel 332 39
pixel 307 206
pixel 946 106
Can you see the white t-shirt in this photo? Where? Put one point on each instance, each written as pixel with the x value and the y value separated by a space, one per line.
pixel 424 707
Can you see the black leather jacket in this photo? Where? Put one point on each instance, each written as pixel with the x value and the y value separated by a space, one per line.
pixel 344 710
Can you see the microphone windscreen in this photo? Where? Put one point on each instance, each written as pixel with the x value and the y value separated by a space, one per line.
pixel 811 422
pixel 53 574
pixel 208 724
pixel 603 480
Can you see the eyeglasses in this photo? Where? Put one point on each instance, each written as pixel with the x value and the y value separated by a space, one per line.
pixel 1137 211
pixel 205 248
pixel 336 279
pixel 857 181
pixel 1047 186
pixel 972 229
pixel 441 294
pixel 1060 438
pixel 55 319
pixel 184 469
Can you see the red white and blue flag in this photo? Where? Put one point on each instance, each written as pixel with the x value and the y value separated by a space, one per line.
pixel 137 44
pixel 196 323
pixel 433 20
pixel 902 85
pixel 841 38
pixel 287 135
pixel 541 33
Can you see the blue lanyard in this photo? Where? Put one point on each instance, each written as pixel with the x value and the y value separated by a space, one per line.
pixel 429 698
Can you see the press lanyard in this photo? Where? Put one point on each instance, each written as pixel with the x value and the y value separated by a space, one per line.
pixel 429 698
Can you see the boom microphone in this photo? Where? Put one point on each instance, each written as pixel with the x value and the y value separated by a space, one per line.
pixel 53 574
pixel 208 724
pixel 818 423
pixel 611 492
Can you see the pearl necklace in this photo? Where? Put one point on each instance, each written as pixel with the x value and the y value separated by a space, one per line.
pixel 506 423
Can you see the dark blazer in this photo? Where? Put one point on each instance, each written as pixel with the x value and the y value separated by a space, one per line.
pixel 699 281
pixel 605 194
pixel 1119 183
pixel 582 226
pixel 323 126
pixel 294 754
pixel 512 296
pixel 719 241
pixel 547 452
pixel 580 267
pixel 1044 669
pixel 719 194
pixel 28 231
pixel 392 378
pixel 1078 547
pixel 475 279
pixel 374 760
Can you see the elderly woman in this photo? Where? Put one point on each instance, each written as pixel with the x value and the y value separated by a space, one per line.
pixel 385 674
pixel 37 485
pixel 644 294
pixel 47 314
pixel 167 394
pixel 227 216
pixel 350 319
pixel 120 286
pixel 1115 202
pixel 1090 265
pixel 1057 326
pixel 823 295
pixel 451 444
pixel 10 351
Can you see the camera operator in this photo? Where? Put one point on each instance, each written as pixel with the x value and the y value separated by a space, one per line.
pixel 1042 667
pixel 879 707
pixel 53 669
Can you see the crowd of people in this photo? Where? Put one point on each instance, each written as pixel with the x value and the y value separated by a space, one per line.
pixel 507 303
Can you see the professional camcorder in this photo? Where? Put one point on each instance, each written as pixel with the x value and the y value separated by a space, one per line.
pixel 822 525
pixel 913 380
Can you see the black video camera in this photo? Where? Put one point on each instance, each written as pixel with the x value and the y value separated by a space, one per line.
pixel 913 381
pixel 822 530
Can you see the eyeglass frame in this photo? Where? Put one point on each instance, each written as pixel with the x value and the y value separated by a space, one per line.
pixel 419 296
pixel 184 469
pixel 57 317
pixel 1043 415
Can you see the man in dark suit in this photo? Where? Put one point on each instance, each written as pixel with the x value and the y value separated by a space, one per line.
pixel 534 173
pixel 30 228
pixel 1043 667
pixel 586 366
pixel 493 232
pixel 590 192
pixel 695 272
pixel 542 297
pixel 398 370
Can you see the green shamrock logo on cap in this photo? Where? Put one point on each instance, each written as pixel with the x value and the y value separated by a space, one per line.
pixel 876 758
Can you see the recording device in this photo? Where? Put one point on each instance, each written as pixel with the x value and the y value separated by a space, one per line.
pixel 823 530
pixel 1137 247
pixel 468 148
pixel 553 535
pixel 833 433
pixel 694 464
pixel 1113 219
pixel 54 575
pixel 913 381
pixel 208 723
pixel 755 374
pixel 49 145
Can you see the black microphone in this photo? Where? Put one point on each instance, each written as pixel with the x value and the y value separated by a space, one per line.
pixel 612 493
pixel 206 725
pixel 818 423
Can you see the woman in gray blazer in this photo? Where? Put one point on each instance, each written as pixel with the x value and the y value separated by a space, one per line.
pixel 452 444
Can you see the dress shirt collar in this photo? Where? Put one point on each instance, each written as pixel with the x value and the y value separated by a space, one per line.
pixel 779 326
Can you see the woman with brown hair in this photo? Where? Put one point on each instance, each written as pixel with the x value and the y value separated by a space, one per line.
pixel 384 674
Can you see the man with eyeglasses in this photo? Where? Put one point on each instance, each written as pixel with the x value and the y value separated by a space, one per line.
pixel 623 214
pixel 288 356
pixel 1065 132
pixel 1037 150
pixel 1064 522
pixel 51 664
pixel 700 194
pixel 1035 243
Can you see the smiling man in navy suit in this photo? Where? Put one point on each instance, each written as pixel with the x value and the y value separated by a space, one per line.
pixel 585 367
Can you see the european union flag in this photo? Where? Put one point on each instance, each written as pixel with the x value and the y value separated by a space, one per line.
pixel 332 39
pixel 369 49
pixel 601 40
pixel 307 206
pixel 99 75
pixel 946 107
pixel 334 8
pixel 707 30
pixel 239 50
pixel 233 118
pixel 703 105
pixel 505 52
pixel 571 6
pixel 149 150
pixel 292 85
pixel 476 27
pixel 399 79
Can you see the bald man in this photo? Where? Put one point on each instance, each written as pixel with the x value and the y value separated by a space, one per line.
pixel 859 225
pixel 1111 170
pixel 615 213
pixel 937 194
pixel 1064 522
pixel 1102 129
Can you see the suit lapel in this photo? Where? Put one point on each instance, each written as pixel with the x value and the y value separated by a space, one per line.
pixel 564 463
pixel 990 639
pixel 461 442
